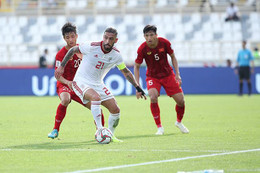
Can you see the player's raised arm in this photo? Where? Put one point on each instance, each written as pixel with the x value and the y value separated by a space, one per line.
pixel 130 77
pixel 60 70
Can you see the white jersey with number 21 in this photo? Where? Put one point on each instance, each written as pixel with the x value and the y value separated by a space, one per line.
pixel 95 63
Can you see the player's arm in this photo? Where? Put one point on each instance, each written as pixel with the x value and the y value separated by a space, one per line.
pixel 65 81
pixel 130 77
pixel 60 70
pixel 137 77
pixel 176 68
pixel 137 72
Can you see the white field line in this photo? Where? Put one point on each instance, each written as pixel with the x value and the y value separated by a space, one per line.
pixel 164 161
pixel 112 150
pixel 244 170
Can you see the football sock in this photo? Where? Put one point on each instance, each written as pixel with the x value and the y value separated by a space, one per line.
pixel 60 114
pixel 102 119
pixel 180 112
pixel 241 88
pixel 249 88
pixel 113 121
pixel 156 114
pixel 96 112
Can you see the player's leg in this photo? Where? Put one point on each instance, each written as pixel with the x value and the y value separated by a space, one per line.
pixel 249 85
pixel 60 113
pixel 87 94
pixel 241 76
pixel 87 105
pixel 95 106
pixel 114 115
pixel 180 109
pixel 173 89
pixel 247 76
pixel 154 87
pixel 155 110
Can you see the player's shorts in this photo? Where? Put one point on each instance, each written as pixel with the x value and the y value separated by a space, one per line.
pixel 244 72
pixel 81 87
pixel 65 88
pixel 169 83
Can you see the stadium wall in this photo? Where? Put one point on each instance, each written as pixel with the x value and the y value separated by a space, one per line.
pixel 41 82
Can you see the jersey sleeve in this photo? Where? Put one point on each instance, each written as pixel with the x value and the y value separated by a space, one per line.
pixel 168 47
pixel 120 63
pixel 58 60
pixel 140 58
pixel 84 48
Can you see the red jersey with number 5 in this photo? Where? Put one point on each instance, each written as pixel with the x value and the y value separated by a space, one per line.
pixel 156 58
pixel 71 66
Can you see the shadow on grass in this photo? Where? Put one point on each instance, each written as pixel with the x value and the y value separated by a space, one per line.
pixel 145 136
pixel 56 145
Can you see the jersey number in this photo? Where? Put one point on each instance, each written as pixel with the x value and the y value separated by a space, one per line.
pixel 150 82
pixel 106 91
pixel 77 63
pixel 156 57
pixel 100 65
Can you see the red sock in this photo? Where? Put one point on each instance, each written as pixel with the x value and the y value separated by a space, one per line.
pixel 156 114
pixel 180 112
pixel 60 114
pixel 102 118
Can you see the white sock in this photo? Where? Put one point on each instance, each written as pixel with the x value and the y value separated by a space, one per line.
pixel 96 112
pixel 113 121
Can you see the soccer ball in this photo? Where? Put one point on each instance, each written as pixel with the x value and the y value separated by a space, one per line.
pixel 103 136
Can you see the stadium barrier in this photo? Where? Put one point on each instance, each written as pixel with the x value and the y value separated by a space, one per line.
pixel 41 82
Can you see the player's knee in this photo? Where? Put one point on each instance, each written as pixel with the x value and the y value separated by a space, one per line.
pixel 65 101
pixel 154 98
pixel 115 110
pixel 181 103
pixel 96 97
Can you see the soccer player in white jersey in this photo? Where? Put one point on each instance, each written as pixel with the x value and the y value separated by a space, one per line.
pixel 98 59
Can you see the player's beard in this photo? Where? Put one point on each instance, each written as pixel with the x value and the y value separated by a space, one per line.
pixel 107 47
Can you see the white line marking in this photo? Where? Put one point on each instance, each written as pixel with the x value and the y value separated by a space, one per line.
pixel 244 170
pixel 164 161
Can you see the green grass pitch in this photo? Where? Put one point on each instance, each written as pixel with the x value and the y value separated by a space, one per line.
pixel 224 135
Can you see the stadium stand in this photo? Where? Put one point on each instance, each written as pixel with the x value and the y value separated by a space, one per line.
pixel 28 27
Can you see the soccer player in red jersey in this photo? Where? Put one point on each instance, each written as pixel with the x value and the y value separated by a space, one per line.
pixel 66 94
pixel 160 74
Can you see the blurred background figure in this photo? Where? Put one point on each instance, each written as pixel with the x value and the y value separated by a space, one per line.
pixel 245 66
pixel 232 13
pixel 43 59
pixel 229 63
pixel 209 3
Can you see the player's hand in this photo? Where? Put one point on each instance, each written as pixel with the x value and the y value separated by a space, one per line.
pixel 178 78
pixel 59 72
pixel 140 93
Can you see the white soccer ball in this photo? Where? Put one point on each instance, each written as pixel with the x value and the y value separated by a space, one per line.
pixel 103 136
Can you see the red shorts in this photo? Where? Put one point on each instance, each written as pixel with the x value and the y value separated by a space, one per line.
pixel 169 83
pixel 65 88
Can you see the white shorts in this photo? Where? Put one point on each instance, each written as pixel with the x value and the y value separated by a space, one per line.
pixel 80 88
